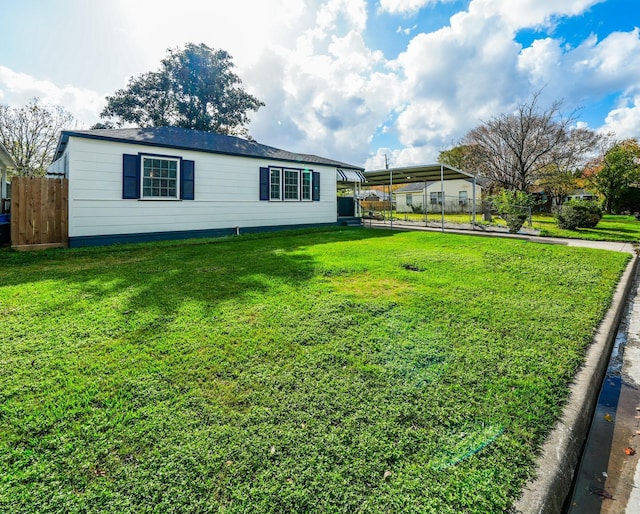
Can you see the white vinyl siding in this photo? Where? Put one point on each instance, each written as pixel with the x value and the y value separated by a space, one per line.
pixel 227 193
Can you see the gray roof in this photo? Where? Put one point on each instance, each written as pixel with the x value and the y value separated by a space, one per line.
pixel 186 139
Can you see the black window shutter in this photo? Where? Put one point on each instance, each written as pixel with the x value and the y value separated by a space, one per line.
pixel 264 183
pixel 316 186
pixel 130 176
pixel 187 180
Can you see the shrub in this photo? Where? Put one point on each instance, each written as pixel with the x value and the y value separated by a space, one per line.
pixel 513 207
pixel 579 214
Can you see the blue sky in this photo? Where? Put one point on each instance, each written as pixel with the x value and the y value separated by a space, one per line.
pixel 348 79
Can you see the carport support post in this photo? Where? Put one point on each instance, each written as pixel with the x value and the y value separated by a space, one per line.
pixel 424 203
pixel 442 192
pixel 473 207
pixel 391 197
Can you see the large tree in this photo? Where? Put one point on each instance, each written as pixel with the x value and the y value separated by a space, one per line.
pixel 515 150
pixel 30 134
pixel 614 171
pixel 562 174
pixel 194 88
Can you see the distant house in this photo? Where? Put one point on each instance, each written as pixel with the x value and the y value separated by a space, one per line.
pixel 581 194
pixel 457 196
pixel 145 184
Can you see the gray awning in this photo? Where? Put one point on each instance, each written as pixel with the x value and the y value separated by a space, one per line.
pixel 349 175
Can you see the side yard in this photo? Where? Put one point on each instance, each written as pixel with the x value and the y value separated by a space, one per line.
pixel 340 370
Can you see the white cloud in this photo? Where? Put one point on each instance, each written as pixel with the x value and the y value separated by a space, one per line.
pixel 529 13
pixel 588 72
pixel 406 6
pixel 17 89
pixel 624 121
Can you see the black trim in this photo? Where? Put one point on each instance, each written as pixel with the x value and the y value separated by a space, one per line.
pixel 187 179
pixel 130 177
pixel 264 183
pixel 315 186
pixel 83 241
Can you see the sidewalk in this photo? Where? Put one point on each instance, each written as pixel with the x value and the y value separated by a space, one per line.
pixel 614 489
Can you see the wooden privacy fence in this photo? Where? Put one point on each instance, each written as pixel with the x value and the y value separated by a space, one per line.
pixel 39 212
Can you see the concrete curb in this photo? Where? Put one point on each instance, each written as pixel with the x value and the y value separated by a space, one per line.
pixel 560 454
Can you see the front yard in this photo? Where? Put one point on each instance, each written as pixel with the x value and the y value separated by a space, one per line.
pixel 323 371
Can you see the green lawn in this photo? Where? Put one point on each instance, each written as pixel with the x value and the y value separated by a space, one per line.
pixel 346 370
pixel 612 227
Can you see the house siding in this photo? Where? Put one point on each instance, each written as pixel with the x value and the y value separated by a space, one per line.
pixel 452 189
pixel 227 192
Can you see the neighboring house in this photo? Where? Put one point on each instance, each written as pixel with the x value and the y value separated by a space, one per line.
pixel 6 161
pixel 458 196
pixel 145 184
pixel 581 194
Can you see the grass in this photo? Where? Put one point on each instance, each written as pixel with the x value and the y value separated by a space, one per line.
pixel 612 227
pixel 321 371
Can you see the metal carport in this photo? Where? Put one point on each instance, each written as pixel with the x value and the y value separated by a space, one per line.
pixel 423 173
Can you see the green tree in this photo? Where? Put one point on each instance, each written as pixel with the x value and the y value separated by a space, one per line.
pixel 564 170
pixel 30 134
pixel 615 171
pixel 514 207
pixel 194 88
pixel 459 157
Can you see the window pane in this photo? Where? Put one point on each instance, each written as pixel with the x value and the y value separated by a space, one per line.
pixel 291 185
pixel 274 184
pixel 159 178
pixel 306 185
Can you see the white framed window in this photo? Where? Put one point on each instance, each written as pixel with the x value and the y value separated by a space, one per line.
pixel 306 185
pixel 275 184
pixel 160 177
pixel 436 198
pixel 462 197
pixel 409 198
pixel 291 185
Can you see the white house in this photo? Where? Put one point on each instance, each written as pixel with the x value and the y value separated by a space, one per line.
pixel 458 195
pixel 6 161
pixel 145 184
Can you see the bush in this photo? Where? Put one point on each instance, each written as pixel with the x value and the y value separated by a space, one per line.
pixel 629 201
pixel 513 207
pixel 579 214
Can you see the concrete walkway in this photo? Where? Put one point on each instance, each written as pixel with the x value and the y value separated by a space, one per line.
pixel 560 455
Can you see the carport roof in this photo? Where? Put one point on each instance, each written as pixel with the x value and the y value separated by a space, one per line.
pixel 409 174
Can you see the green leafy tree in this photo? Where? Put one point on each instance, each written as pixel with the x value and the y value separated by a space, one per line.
pixel 30 134
pixel 460 157
pixel 194 88
pixel 514 207
pixel 615 171
pixel 562 174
